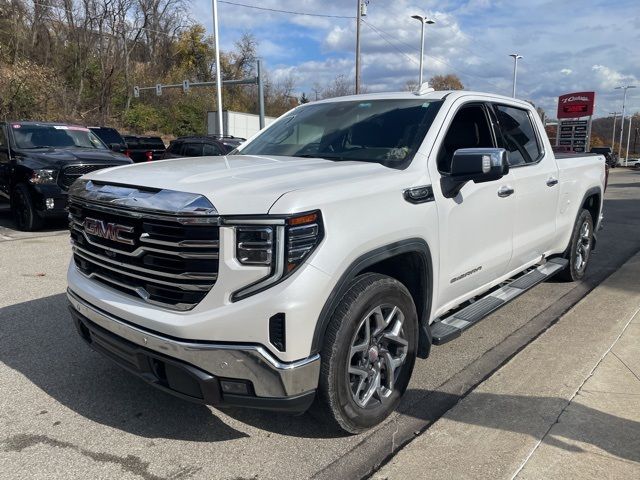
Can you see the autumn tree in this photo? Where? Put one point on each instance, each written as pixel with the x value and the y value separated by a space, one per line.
pixel 449 81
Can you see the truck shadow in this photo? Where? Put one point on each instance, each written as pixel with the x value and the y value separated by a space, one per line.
pixel 6 221
pixel 39 340
pixel 532 416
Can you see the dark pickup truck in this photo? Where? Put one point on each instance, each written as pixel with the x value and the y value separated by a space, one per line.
pixel 38 163
pixel 144 148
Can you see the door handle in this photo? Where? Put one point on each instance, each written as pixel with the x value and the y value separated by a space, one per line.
pixel 551 181
pixel 505 191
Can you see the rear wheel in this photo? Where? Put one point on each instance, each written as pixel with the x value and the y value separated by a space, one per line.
pixel 579 250
pixel 24 211
pixel 368 354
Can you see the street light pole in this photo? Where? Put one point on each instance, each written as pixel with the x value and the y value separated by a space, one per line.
pixel 423 21
pixel 626 157
pixel 516 57
pixel 220 129
pixel 358 21
pixel 624 88
pixel 613 135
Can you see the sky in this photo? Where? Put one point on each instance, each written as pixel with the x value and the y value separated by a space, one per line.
pixel 568 46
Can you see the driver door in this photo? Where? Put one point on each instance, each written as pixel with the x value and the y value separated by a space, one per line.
pixel 476 227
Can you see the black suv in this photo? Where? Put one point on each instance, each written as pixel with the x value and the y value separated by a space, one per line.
pixel 611 158
pixel 38 163
pixel 197 146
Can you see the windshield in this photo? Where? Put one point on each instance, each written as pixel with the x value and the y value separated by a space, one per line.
pixel 54 136
pixel 382 131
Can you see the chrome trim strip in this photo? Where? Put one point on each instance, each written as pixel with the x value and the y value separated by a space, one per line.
pixel 186 287
pixel 141 292
pixel 253 221
pixel 168 202
pixel 184 275
pixel 146 238
pixel 142 213
pixel 270 377
pixel 138 251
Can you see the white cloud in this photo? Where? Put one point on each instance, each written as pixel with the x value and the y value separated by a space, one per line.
pixel 566 71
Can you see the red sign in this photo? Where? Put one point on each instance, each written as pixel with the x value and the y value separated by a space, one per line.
pixel 574 105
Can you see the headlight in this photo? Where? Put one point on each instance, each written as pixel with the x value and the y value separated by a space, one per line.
pixel 39 177
pixel 282 246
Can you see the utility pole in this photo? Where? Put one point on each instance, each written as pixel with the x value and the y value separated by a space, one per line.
pixel 613 135
pixel 214 4
pixel 624 88
pixel 516 57
pixel 423 21
pixel 635 140
pixel 361 7
pixel 626 157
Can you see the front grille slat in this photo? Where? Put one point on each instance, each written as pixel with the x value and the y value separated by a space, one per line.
pixel 169 264
pixel 71 173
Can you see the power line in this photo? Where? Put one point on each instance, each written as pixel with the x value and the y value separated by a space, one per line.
pixel 290 12
pixel 382 35
pixel 389 43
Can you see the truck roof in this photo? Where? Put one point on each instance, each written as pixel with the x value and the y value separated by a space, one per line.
pixel 429 95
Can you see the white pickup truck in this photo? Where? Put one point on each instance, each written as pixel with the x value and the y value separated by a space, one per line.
pixel 316 262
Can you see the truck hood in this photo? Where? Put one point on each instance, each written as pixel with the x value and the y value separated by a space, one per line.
pixel 238 184
pixel 57 158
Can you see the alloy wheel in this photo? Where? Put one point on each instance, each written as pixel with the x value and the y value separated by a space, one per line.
pixel 378 352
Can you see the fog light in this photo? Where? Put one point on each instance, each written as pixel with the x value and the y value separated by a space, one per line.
pixel 235 387
pixel 49 203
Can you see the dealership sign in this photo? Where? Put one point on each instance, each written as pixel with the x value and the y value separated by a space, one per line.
pixel 574 134
pixel 576 105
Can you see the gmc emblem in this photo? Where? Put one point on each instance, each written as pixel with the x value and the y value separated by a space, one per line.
pixel 109 231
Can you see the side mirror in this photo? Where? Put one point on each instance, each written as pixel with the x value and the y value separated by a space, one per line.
pixel 478 165
pixel 116 147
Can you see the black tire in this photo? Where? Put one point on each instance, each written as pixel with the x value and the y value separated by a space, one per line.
pixel 579 250
pixel 336 401
pixel 24 211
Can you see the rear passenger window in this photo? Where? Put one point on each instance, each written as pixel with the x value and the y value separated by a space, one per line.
pixel 517 135
pixel 192 150
pixel 210 149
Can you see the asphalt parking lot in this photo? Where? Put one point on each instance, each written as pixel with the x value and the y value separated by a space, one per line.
pixel 66 412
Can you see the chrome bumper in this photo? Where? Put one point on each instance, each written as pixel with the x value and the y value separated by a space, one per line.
pixel 254 363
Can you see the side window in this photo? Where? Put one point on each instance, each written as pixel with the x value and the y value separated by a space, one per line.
pixel 192 150
pixel 469 129
pixel 517 135
pixel 211 149
pixel 174 147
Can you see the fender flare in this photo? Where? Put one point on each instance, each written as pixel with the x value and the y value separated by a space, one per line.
pixel 411 245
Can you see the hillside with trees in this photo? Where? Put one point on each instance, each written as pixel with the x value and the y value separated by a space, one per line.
pixel 77 61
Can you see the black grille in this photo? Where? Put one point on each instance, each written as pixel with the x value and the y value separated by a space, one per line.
pixel 166 263
pixel 71 173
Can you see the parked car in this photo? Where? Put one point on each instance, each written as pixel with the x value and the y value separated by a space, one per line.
pixel 38 163
pixel 610 156
pixel 111 138
pixel 195 146
pixel 229 140
pixel 143 148
pixel 335 248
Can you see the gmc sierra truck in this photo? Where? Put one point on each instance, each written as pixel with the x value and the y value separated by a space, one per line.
pixel 314 266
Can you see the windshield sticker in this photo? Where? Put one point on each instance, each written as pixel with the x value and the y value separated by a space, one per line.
pixel 61 127
pixel 79 129
pixel 16 125
pixel 397 153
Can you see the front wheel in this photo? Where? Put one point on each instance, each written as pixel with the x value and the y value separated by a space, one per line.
pixel 368 354
pixel 24 211
pixel 579 250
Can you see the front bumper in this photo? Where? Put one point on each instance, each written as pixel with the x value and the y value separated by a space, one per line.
pixel 43 192
pixel 198 370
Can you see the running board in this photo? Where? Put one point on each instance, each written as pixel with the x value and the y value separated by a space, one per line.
pixel 448 328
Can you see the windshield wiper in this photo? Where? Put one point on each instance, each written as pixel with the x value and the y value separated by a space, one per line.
pixel 327 157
